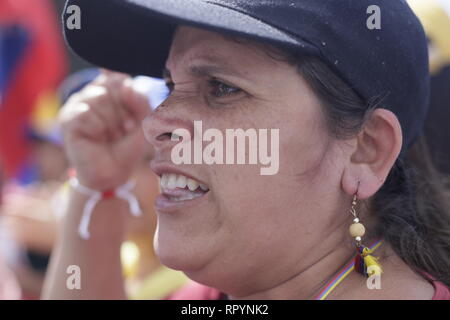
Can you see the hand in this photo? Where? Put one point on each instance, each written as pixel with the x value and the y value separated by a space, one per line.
pixel 102 132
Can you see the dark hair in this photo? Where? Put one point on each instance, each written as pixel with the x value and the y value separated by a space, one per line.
pixel 412 206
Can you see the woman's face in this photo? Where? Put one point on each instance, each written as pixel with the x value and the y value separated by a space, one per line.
pixel 249 231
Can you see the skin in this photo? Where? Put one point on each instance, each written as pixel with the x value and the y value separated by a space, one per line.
pixel 50 161
pixel 253 237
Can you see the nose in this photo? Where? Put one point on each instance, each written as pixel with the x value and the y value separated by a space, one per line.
pixel 160 128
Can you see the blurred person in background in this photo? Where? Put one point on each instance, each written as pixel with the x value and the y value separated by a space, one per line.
pixel 9 287
pixel 435 17
pixel 32 64
pixel 29 210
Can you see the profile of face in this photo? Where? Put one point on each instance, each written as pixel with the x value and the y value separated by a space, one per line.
pixel 249 231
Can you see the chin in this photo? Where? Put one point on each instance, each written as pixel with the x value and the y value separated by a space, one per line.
pixel 196 263
pixel 177 254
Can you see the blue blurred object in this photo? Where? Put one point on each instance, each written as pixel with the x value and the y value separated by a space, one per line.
pixel 76 82
pixel 155 88
pixel 52 135
pixel 13 43
pixel 28 174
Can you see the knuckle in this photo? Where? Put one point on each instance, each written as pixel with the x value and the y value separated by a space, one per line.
pixel 93 90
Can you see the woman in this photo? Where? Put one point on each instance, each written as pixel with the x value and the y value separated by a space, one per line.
pixel 349 100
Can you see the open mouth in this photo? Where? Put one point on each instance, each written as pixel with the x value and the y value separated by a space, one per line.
pixel 179 192
pixel 177 187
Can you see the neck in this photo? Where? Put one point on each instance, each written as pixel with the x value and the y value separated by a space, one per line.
pixel 310 272
pixel 307 282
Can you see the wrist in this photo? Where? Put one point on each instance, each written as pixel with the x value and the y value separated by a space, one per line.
pixel 94 181
pixel 108 199
pixel 108 220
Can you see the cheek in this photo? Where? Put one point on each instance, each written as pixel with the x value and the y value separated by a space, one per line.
pixel 260 212
pixel 251 203
pixel 302 140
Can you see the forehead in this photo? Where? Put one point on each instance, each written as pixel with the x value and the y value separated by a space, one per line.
pixel 191 44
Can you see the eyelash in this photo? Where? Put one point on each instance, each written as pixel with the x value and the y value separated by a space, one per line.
pixel 223 86
pixel 214 82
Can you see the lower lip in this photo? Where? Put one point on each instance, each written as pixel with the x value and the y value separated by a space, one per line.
pixel 164 204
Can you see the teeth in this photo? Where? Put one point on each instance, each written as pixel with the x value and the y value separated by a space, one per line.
pixel 172 181
pixel 163 181
pixel 192 184
pixel 181 181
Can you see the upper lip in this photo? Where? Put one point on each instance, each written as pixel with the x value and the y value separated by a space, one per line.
pixel 161 168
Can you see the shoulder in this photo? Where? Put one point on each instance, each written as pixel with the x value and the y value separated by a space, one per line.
pixel 441 291
pixel 196 291
pixel 397 282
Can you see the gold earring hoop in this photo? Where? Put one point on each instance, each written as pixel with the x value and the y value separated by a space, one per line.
pixel 365 263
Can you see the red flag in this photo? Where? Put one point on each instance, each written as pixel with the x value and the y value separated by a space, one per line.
pixel 36 75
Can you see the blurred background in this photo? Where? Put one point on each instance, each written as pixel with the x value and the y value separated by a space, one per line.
pixel 37 75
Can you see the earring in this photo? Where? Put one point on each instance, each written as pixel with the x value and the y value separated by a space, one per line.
pixel 365 263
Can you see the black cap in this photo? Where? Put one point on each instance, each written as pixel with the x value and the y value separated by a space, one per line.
pixel 388 64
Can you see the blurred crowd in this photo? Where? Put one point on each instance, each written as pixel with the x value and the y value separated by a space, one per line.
pixel 35 81
pixel 37 75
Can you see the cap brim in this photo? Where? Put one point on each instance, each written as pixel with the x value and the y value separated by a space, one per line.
pixel 134 36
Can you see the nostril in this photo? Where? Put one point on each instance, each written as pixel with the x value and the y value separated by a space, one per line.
pixel 164 136
pixel 168 136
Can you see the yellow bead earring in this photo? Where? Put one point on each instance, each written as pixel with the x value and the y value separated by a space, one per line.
pixel 365 263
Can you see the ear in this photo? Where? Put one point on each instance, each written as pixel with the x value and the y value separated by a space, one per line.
pixel 375 151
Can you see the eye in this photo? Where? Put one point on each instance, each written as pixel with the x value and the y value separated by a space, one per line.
pixel 220 89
